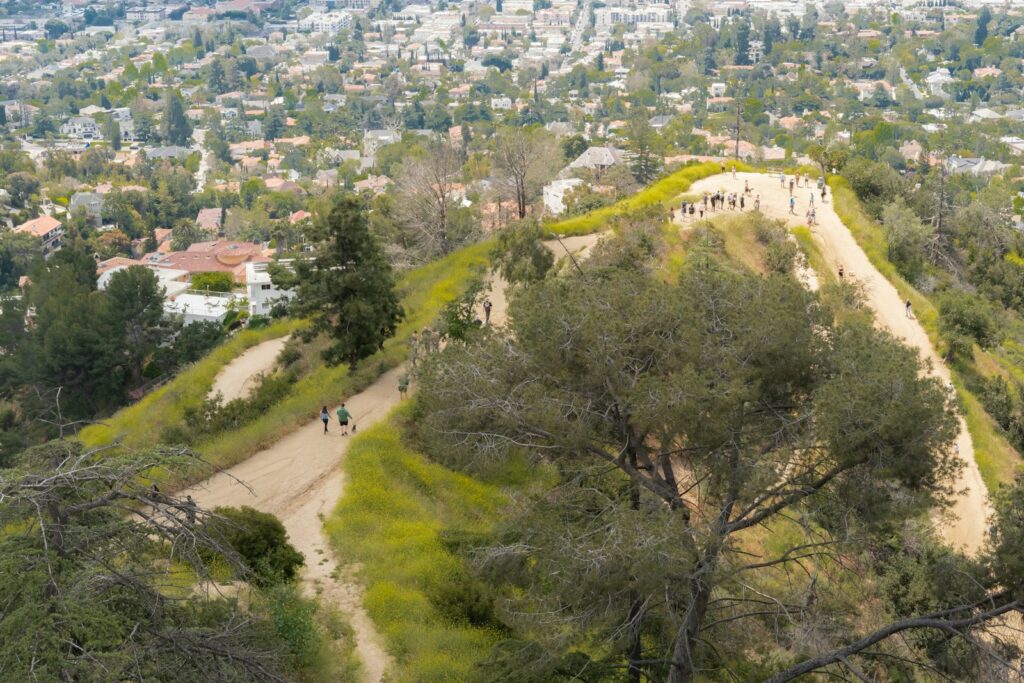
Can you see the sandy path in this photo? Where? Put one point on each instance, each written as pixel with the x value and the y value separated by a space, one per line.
pixel 237 378
pixel 579 246
pixel 971 507
pixel 299 479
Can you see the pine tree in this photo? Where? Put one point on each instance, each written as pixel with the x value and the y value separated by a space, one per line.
pixel 217 77
pixel 347 289
pixel 175 127
pixel 743 43
pixel 112 131
pixel 981 32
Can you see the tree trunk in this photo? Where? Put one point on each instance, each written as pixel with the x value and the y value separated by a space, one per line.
pixel 636 618
pixel 683 667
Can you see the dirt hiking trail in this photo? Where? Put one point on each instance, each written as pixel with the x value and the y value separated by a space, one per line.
pixel 299 479
pixel 971 507
pixel 238 378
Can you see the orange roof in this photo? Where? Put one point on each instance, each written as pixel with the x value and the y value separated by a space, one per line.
pixel 39 226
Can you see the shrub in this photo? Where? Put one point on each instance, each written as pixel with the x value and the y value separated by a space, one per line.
pixel 261 542
pixel 213 282
pixel 967 315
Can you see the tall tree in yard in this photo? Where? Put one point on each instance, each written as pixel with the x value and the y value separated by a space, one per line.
pixel 527 158
pixel 175 127
pixel 645 149
pixel 425 185
pixel 347 289
pixel 135 301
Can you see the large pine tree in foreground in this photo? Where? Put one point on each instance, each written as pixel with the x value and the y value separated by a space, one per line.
pixel 347 289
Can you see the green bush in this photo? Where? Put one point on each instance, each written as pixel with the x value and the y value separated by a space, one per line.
pixel 213 282
pixel 968 315
pixel 260 541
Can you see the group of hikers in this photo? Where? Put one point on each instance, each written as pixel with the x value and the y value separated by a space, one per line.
pixel 714 201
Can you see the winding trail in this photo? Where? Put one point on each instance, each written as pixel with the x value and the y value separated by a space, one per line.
pixel 299 479
pixel 971 507
pixel 238 378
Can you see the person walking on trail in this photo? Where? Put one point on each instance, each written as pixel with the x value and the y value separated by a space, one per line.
pixel 723 166
pixel 840 271
pixel 822 194
pixel 414 348
pixel 325 417
pixel 403 385
pixel 782 180
pixel 812 200
pixel 790 187
pixel 343 417
pixel 425 340
pixel 757 203
pixel 742 201
pixel 487 311
pixel 190 510
pixel 792 205
pixel 746 187
pixel 705 201
pixel 909 309
pixel 692 212
pixel 734 171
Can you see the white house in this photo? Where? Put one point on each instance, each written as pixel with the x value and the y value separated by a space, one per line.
pixel 325 22
pixel 263 294
pixel 938 80
pixel 554 194
pixel 83 127
pixel 194 307
pixel 716 89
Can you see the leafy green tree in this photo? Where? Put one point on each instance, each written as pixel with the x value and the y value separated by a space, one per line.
pixel 645 148
pixel 274 123
pixel 259 539
pixel 907 238
pixel 21 186
pixel 175 127
pixel 213 282
pixel 347 289
pixel 520 255
pixel 71 346
pixel 43 125
pixel 112 131
pixel 187 232
pixel 83 578
pixel 18 253
pixel 573 146
pixel 135 312
pixel 966 319
pixel 981 29
pixel 217 79
pixel 677 418
pixel 743 43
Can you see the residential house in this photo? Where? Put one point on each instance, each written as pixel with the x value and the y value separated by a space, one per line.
pixel 46 228
pixel 598 159
pixel 555 192
pixel 263 294
pixel 89 202
pixel 84 127
pixel 210 220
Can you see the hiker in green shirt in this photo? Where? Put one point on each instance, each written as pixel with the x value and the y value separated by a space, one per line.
pixel 343 417
pixel 403 385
